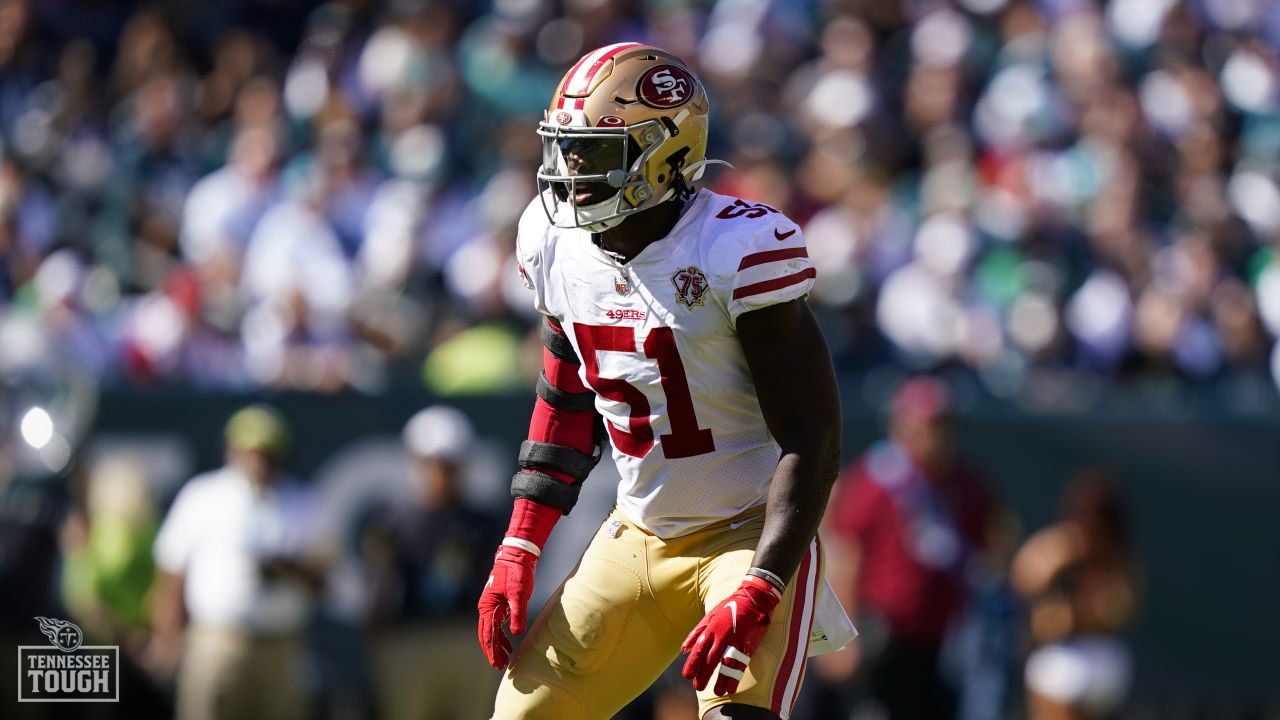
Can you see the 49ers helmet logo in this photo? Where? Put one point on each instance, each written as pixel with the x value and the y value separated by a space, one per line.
pixel 665 86
pixel 691 286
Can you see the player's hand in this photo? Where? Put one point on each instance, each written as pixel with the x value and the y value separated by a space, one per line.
pixel 728 636
pixel 506 595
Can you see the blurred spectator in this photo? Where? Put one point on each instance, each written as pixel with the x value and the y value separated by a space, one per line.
pixel 108 568
pixel 428 561
pixel 299 283
pixel 223 208
pixel 905 526
pixel 1080 580
pixel 108 571
pixel 241 558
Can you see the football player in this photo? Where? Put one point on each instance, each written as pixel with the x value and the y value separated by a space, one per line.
pixel 675 321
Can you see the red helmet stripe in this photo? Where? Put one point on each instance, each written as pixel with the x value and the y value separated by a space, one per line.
pixel 574 70
pixel 576 81
pixel 582 74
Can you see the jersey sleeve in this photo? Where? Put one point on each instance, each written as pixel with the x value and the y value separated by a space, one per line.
pixel 762 262
pixel 531 240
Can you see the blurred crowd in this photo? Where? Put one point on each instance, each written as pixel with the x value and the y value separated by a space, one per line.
pixel 324 195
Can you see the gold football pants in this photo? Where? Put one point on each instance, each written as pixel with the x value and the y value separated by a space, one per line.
pixel 618 621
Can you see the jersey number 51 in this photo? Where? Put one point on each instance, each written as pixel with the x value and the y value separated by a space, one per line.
pixel 686 439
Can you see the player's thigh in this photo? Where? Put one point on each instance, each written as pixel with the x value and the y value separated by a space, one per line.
pixel 599 642
pixel 772 679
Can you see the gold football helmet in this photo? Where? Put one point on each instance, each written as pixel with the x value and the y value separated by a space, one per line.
pixel 626 129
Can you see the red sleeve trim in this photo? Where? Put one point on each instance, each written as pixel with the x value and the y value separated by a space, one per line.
pixel 769 256
pixel 533 521
pixel 562 374
pixel 575 430
pixel 774 284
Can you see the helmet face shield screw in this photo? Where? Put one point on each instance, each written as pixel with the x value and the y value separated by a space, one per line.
pixel 643 192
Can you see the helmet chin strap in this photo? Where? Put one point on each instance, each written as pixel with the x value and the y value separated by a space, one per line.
pixel 693 172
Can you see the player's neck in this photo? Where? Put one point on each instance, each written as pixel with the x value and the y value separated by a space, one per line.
pixel 641 230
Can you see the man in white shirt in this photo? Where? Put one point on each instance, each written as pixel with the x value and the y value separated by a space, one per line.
pixel 240 563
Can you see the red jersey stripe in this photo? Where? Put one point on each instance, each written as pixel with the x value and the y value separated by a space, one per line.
pixel 774 284
pixel 769 256
pixel 562 375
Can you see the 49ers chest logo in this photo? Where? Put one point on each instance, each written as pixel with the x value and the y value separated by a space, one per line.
pixel 691 286
pixel 665 86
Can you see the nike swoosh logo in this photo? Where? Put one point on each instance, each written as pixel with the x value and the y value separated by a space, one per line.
pixel 784 235
pixel 740 523
pixel 733 613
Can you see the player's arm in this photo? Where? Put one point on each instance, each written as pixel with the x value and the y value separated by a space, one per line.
pixel 559 454
pixel 796 387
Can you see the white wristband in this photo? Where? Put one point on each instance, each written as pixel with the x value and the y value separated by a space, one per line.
pixel 523 545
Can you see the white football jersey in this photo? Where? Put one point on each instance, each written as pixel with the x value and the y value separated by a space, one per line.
pixel 658 342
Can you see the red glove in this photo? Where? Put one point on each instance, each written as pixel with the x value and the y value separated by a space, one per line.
pixel 729 634
pixel 506 595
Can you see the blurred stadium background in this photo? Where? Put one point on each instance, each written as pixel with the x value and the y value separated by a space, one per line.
pixel 1068 210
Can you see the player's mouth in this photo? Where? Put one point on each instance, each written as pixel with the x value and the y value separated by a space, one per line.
pixel 592 193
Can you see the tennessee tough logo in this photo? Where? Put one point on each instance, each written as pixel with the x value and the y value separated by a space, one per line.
pixel 691 286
